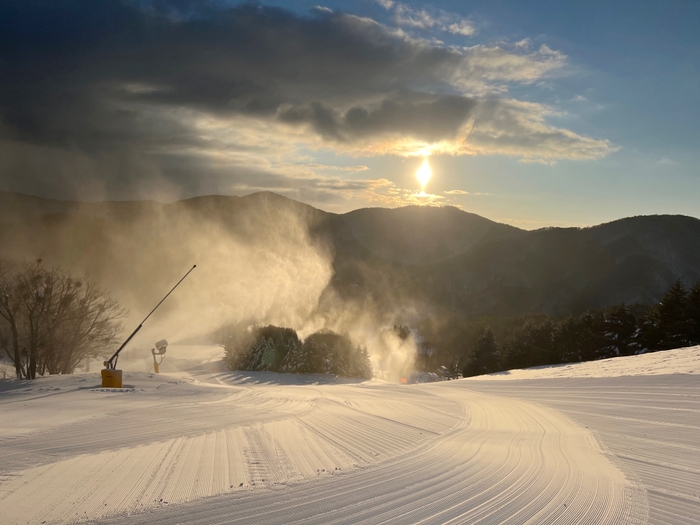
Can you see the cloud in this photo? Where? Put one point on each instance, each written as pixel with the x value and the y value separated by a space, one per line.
pixel 461 27
pixel 457 192
pixel 352 169
pixel 448 125
pixel 338 192
pixel 486 65
pixel 407 16
pixel 525 43
pixel 117 98
pixel 429 120
pixel 463 192
pixel 519 129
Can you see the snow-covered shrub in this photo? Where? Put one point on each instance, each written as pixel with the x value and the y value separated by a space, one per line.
pixel 279 349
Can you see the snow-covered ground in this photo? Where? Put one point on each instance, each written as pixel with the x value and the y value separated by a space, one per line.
pixel 681 361
pixel 200 445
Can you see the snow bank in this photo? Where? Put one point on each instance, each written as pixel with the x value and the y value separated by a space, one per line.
pixel 681 361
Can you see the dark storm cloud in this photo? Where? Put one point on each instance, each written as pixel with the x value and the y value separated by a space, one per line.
pixel 75 67
pixel 429 120
pixel 88 83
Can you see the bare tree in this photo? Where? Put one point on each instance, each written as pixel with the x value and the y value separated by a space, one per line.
pixel 84 326
pixel 50 322
pixel 9 312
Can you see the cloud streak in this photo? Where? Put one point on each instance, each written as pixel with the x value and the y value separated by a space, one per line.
pixel 463 192
pixel 407 16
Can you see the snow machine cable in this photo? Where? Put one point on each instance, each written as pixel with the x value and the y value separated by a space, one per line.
pixel 112 363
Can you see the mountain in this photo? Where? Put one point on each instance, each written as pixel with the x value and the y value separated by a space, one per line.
pixel 426 258
pixel 462 262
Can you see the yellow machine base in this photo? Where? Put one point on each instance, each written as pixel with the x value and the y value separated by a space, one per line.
pixel 111 378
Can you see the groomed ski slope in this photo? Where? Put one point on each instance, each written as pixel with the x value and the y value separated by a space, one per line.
pixel 208 447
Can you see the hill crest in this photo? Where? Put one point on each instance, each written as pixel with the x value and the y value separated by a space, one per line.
pixel 442 257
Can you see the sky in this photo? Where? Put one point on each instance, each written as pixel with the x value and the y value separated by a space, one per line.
pixel 539 113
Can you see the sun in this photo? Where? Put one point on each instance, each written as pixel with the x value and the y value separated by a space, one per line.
pixel 424 173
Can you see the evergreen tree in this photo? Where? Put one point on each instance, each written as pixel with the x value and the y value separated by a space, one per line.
pixel 667 325
pixel 620 327
pixel 693 314
pixel 566 338
pixel 261 348
pixel 362 367
pixel 269 355
pixel 592 332
pixel 292 356
pixel 279 349
pixel 318 348
pixel 531 345
pixel 485 357
pixel 583 338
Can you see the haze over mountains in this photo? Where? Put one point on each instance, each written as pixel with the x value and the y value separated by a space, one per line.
pixel 401 263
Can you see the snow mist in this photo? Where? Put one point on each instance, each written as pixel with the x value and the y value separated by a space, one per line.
pixel 266 270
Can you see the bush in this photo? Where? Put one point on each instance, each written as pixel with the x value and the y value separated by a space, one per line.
pixel 331 353
pixel 261 348
pixel 279 349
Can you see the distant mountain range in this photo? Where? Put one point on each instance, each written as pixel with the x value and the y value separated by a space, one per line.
pixel 441 259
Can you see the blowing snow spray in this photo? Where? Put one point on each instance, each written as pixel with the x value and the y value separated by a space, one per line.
pixel 112 378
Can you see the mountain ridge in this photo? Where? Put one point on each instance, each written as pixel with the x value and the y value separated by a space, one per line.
pixel 439 258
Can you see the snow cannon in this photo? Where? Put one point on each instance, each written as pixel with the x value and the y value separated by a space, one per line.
pixel 159 350
pixel 111 377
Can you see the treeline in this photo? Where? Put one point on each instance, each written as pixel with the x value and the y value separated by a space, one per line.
pixel 279 349
pixel 51 321
pixel 616 331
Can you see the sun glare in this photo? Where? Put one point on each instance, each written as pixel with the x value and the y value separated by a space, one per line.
pixel 424 173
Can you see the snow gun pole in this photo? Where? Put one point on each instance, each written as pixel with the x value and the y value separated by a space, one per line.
pixel 111 364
